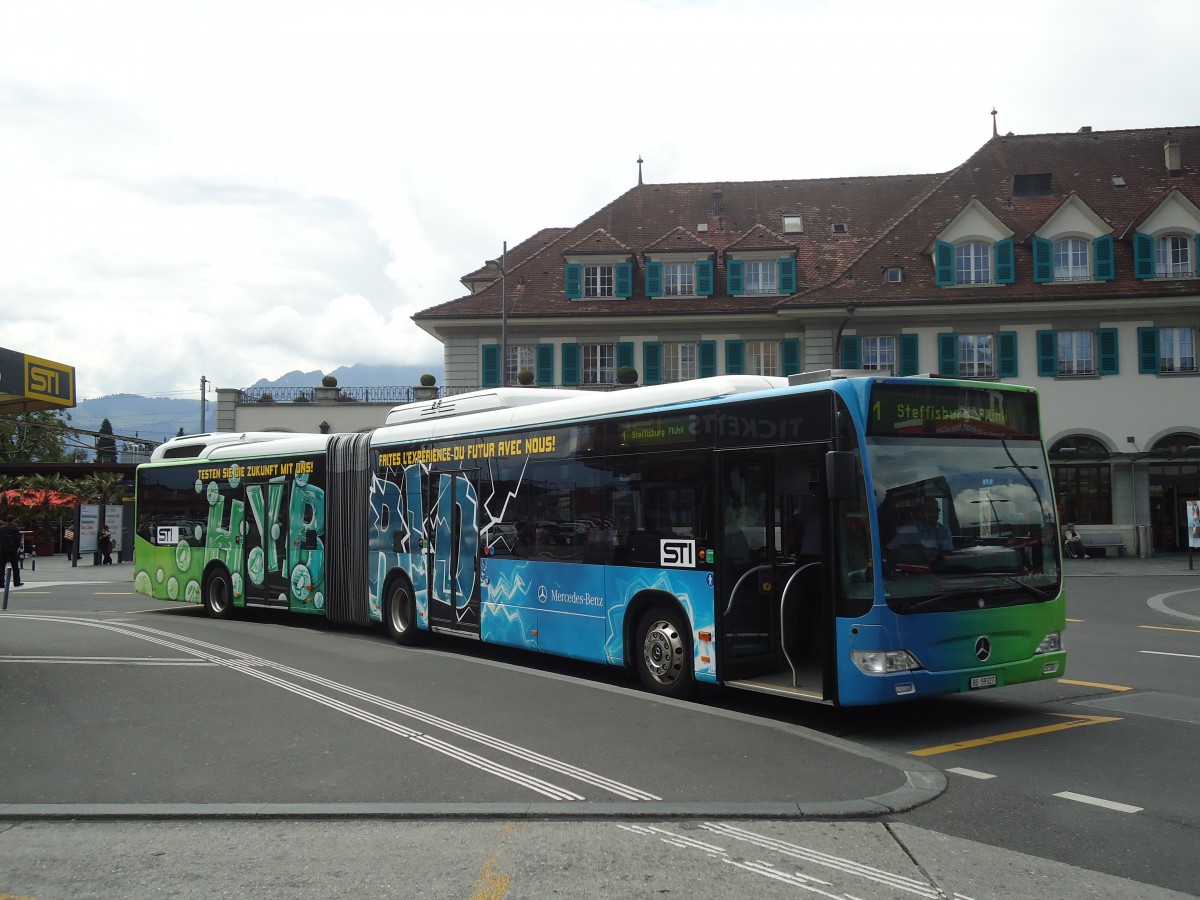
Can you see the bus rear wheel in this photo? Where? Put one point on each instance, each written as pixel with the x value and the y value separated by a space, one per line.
pixel 664 653
pixel 400 614
pixel 218 594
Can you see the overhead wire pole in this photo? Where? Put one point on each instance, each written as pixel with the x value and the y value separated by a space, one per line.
pixel 203 382
pixel 504 315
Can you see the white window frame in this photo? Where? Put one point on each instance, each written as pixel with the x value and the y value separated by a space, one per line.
pixel 973 263
pixel 1177 350
pixel 1075 352
pixel 520 356
pixel 1072 259
pixel 977 355
pixel 1172 256
pixel 761 358
pixel 679 279
pixel 598 363
pixel 598 280
pixel 878 353
pixel 680 361
pixel 759 276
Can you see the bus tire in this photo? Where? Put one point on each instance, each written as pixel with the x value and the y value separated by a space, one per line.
pixel 400 614
pixel 664 653
pixel 218 594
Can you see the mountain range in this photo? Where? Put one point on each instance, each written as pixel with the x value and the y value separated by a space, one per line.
pixel 159 418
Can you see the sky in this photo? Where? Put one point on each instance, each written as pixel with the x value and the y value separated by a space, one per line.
pixel 236 190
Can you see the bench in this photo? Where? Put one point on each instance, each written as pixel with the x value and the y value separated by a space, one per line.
pixel 1102 541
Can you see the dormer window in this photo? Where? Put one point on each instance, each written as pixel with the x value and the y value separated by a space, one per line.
pixel 972 263
pixel 597 281
pixel 1167 243
pixel 974 249
pixel 1172 256
pixel 1071 260
pixel 679 277
pixel 758 275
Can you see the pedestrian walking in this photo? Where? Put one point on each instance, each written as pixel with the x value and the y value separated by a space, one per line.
pixel 10 551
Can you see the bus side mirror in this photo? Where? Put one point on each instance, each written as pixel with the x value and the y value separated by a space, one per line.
pixel 841 475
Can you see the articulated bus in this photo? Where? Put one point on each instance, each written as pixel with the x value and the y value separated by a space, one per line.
pixel 837 537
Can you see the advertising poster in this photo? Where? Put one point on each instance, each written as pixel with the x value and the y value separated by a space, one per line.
pixel 1193 524
pixel 89 526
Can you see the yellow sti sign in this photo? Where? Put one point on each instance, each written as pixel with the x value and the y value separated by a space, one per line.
pixel 29 383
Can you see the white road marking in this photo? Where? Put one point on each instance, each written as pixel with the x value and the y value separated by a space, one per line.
pixel 250 665
pixel 1164 653
pixel 971 773
pixel 792 851
pixel 1096 801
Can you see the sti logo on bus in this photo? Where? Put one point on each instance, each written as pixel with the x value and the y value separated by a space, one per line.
pixel 677 554
pixel 167 534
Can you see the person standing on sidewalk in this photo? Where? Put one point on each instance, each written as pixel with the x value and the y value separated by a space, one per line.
pixel 106 545
pixel 10 551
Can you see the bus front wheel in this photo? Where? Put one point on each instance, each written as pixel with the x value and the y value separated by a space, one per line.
pixel 400 614
pixel 218 594
pixel 664 653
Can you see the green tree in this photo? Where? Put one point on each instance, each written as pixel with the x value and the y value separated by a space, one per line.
pixel 32 437
pixel 106 445
pixel 100 487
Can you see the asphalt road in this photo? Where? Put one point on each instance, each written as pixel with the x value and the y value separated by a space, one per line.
pixel 155 752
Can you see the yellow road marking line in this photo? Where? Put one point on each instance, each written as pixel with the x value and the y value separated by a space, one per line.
pixel 490 885
pixel 1095 684
pixel 1075 722
pixel 1168 628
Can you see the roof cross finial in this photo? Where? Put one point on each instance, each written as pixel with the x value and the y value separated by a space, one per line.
pixel 639 168
pixel 995 131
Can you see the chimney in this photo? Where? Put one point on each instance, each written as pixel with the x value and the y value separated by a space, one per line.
pixel 1172 156
pixel 1085 129
pixel 718 208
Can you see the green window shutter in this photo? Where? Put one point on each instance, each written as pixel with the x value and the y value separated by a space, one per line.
pixel 1005 268
pixel 704 277
pixel 1106 338
pixel 1102 250
pixel 625 354
pixel 570 363
pixel 789 352
pixel 623 280
pixel 654 279
pixel 735 357
pixel 1043 260
pixel 708 358
pixel 787 275
pixel 573 281
pixel 545 364
pixel 734 277
pixel 947 353
pixel 1196 258
pixel 1006 355
pixel 1143 256
pixel 943 263
pixel 1148 351
pixel 908 354
pixel 652 362
pixel 491 365
pixel 851 351
pixel 1047 349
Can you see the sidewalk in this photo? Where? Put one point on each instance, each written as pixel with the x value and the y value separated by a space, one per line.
pixel 58 568
pixel 1160 564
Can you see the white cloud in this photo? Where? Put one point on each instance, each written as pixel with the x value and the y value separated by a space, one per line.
pixel 238 190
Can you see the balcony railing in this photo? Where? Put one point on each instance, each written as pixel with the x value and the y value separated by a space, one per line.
pixel 393 395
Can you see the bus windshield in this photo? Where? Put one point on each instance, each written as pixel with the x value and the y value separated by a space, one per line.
pixel 964 524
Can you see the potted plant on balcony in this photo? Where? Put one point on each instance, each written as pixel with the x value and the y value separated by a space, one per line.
pixel 427 390
pixel 328 391
pixel 627 376
pixel 525 377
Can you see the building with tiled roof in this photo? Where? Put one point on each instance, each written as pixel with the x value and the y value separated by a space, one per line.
pixel 1063 261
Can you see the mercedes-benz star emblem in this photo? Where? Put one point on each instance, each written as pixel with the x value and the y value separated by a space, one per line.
pixel 983 649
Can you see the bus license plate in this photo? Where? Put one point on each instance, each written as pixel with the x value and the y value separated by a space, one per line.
pixel 983 681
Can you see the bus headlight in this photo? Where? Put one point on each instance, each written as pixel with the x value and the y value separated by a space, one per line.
pixel 1051 643
pixel 883 662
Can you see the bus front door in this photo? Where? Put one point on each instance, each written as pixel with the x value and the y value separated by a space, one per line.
pixel 452 560
pixel 769 569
